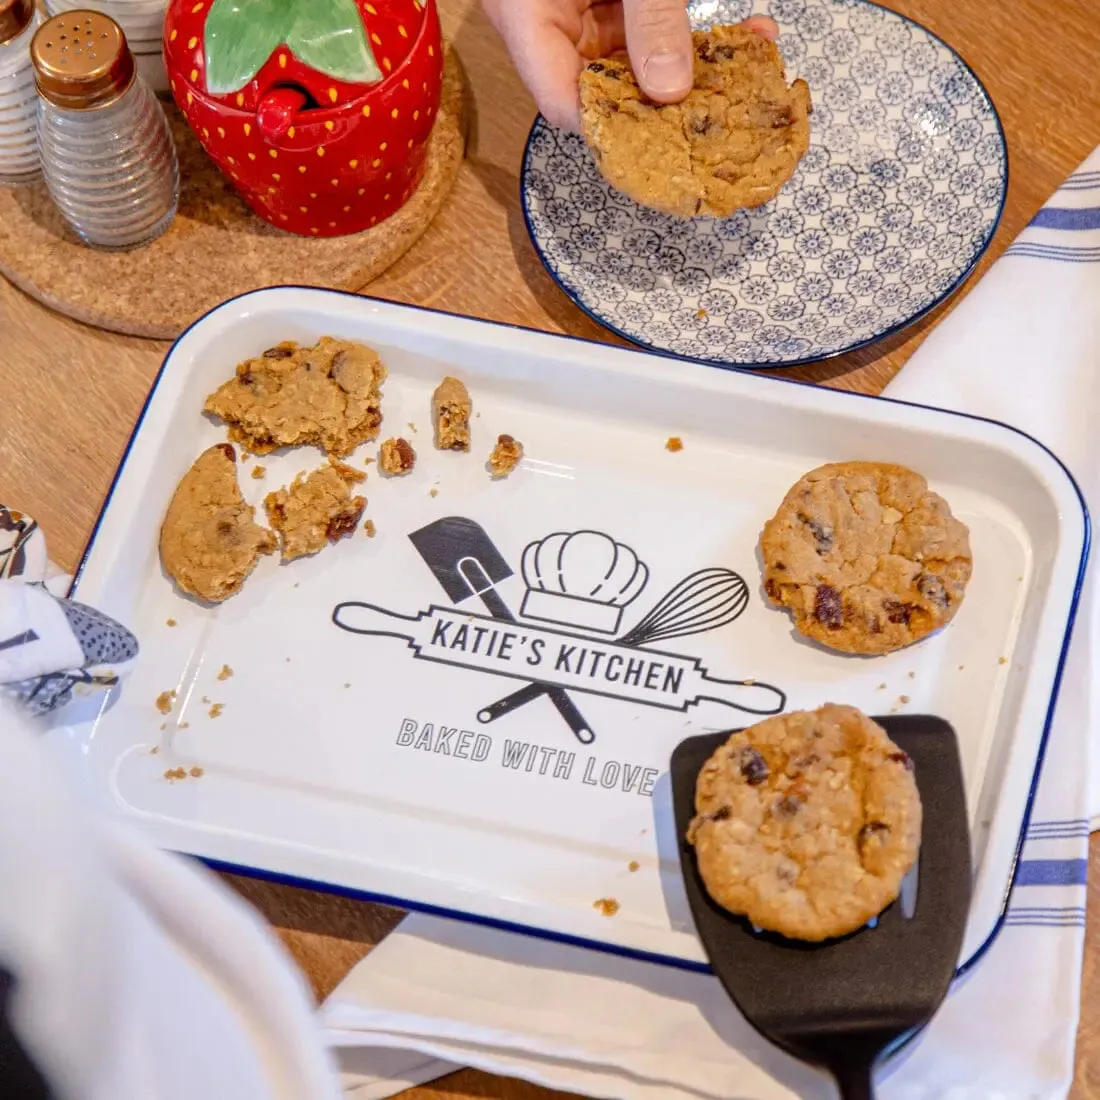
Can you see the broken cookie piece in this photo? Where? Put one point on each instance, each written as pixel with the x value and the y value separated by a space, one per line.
pixel 506 456
pixel 209 542
pixel 451 415
pixel 315 510
pixel 396 457
pixel 290 396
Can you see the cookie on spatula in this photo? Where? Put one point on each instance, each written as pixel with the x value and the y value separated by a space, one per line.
pixel 807 823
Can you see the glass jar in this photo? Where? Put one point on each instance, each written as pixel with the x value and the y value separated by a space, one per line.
pixel 106 151
pixel 18 99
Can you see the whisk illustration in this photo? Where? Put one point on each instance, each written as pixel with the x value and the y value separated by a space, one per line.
pixel 703 601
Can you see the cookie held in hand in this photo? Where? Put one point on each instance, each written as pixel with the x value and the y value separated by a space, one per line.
pixel 732 143
pixel 807 823
pixel 867 558
pixel 209 542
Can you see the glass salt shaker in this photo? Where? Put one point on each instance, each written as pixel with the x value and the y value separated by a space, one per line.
pixel 18 100
pixel 107 153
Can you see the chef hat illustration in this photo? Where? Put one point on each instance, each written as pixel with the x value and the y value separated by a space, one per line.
pixel 582 579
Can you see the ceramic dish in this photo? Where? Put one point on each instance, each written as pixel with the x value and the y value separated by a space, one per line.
pixel 895 202
pixel 363 743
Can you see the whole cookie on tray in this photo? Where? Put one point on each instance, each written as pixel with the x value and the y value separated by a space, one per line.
pixel 291 395
pixel 807 823
pixel 209 542
pixel 732 143
pixel 866 557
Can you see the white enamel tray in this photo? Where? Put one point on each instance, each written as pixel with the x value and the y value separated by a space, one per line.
pixel 356 757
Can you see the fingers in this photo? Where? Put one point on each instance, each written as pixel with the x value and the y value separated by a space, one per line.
pixel 603 31
pixel 763 25
pixel 658 38
pixel 545 56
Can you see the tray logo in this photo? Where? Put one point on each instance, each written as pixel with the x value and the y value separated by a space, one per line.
pixel 567 637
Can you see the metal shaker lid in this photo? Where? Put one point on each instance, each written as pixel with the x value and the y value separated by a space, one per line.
pixel 81 60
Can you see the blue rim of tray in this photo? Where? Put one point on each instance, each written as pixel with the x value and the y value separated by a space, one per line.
pixel 270 875
pixel 828 357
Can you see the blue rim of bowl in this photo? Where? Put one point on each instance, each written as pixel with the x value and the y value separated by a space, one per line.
pixel 269 875
pixel 785 364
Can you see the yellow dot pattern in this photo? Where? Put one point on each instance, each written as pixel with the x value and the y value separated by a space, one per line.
pixel 221 132
pixel 333 95
pixel 240 99
pixel 194 75
pixel 330 125
pixel 191 42
pixel 276 177
pixel 251 156
pixel 273 153
pixel 282 61
pixel 366 111
pixel 320 150
pixel 393 113
pixel 376 164
pixel 382 147
pixel 353 164
pixel 401 30
pixel 387 65
pixel 302 169
pixel 247 129
pixel 172 36
pixel 196 9
pixel 290 133
pixel 376 40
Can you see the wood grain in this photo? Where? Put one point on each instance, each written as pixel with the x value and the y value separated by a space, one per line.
pixel 69 395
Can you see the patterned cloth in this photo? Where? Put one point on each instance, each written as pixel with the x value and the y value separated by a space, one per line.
pixel 1023 348
pixel 50 647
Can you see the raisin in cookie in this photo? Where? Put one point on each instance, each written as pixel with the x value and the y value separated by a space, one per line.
pixel 315 510
pixel 866 557
pixel 732 143
pixel 807 823
pixel 209 542
pixel 326 395
pixel 505 456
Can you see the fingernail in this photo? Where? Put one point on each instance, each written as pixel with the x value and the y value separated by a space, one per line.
pixel 667 74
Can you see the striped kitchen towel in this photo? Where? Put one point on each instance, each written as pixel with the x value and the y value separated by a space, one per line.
pixel 1023 348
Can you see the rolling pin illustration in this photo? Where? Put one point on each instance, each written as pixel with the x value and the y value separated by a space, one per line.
pixel 555 660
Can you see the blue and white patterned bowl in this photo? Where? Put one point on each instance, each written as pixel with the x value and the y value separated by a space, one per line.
pixel 889 211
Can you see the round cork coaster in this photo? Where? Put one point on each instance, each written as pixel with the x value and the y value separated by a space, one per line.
pixel 216 248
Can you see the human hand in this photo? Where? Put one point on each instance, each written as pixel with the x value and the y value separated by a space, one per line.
pixel 551 41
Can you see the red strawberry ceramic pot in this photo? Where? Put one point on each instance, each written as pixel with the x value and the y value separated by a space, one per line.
pixel 319 111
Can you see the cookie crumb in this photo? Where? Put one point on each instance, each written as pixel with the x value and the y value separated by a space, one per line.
pixel 170 622
pixel 912 675
pixel 315 510
pixel 225 673
pixel 370 529
pixel 633 865
pixel 412 426
pixel 396 457
pixel 204 700
pixel 155 749
pixel 258 472
pixel 451 415
pixel 961 667
pixel 245 456
pixel 433 492
pixel 607 906
pixel 701 315
pixel 347 685
pixel 903 699
pixel 216 709
pixel 882 687
pixel 165 700
pixel 1002 660
pixel 175 773
pixel 197 773
pixel 505 456
pixel 674 443
pixel 184 725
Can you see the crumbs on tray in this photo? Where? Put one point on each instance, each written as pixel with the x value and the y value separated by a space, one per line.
pixel 608 907
pixel 674 443
pixel 165 700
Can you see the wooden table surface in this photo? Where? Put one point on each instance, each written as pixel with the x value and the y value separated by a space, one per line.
pixel 69 395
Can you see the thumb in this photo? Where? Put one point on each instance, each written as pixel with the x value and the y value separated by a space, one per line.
pixel 658 39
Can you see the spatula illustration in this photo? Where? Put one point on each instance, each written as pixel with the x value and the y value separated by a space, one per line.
pixel 844 1003
pixel 466 563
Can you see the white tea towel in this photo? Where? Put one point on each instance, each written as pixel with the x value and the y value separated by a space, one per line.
pixel 130 974
pixel 1024 348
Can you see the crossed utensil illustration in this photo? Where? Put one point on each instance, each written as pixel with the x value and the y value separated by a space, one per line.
pixel 467 564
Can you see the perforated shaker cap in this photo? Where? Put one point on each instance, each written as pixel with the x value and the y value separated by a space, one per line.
pixel 15 17
pixel 81 60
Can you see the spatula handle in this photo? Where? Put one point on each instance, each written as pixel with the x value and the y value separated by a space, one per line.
pixel 856 1080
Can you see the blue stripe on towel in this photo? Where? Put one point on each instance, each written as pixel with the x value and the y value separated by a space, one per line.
pixel 1033 251
pixel 1052 872
pixel 1057 217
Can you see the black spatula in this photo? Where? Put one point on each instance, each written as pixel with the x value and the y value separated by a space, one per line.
pixel 843 1003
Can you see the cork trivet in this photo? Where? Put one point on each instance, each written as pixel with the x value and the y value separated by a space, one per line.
pixel 216 247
